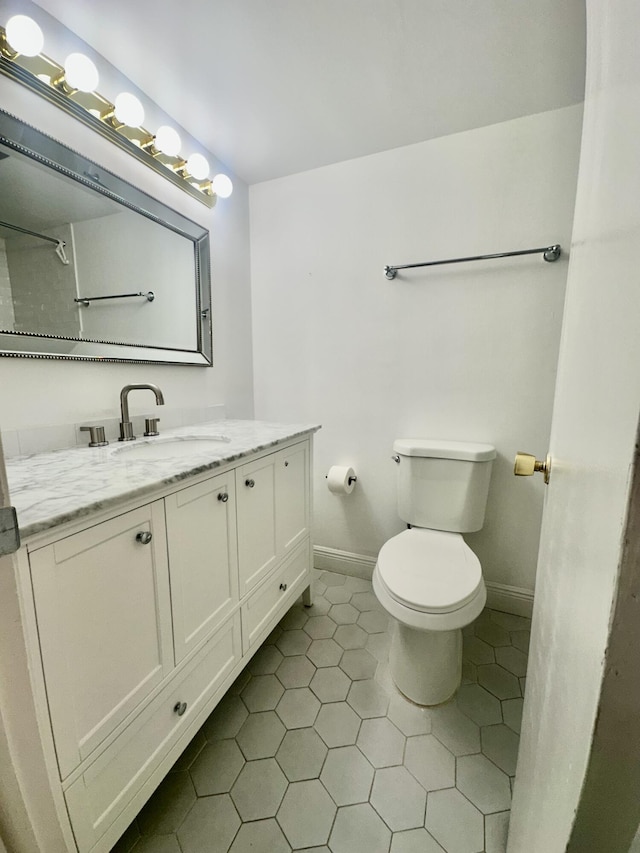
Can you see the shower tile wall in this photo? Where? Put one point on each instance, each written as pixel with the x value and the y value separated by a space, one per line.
pixel 7 317
pixel 314 749
pixel 43 288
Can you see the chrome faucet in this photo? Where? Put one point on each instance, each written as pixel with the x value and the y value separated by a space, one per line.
pixel 126 427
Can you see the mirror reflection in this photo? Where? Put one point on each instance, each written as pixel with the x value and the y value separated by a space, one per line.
pixel 85 257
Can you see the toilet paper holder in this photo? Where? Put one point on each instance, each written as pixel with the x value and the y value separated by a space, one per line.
pixel 353 479
pixel 341 479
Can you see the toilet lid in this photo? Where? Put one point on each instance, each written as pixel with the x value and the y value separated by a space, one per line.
pixel 429 570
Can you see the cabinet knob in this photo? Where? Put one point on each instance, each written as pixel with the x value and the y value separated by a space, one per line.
pixel 250 483
pixel 144 537
pixel 286 464
pixel 180 708
pixel 224 497
pixel 283 586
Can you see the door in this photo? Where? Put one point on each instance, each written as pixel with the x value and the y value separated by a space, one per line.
pixel 256 508
pixel 104 622
pixel 203 561
pixel 570 723
pixel 292 496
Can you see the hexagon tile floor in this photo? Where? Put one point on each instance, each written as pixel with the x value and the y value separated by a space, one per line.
pixel 314 749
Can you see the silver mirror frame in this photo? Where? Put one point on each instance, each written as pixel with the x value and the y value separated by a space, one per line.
pixel 23 138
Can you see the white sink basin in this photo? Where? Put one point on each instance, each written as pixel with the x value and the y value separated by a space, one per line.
pixel 172 447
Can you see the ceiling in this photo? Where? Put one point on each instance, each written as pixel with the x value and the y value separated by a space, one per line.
pixel 275 87
pixel 35 196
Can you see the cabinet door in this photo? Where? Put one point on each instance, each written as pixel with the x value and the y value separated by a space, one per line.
pixel 97 799
pixel 104 622
pixel 203 562
pixel 292 496
pixel 255 495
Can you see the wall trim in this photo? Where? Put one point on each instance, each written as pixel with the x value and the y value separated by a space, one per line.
pixel 343 562
pixel 509 599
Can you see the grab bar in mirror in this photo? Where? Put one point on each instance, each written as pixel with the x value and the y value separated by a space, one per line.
pixel 87 300
pixel 60 244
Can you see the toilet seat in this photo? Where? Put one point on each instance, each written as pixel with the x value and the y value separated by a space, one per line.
pixel 429 579
pixel 429 570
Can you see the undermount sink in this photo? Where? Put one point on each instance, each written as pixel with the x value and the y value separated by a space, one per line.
pixel 172 447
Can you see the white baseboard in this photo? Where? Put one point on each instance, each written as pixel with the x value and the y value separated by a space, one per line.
pixel 509 599
pixel 343 562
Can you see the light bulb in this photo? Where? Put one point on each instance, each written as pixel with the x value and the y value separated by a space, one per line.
pixel 24 35
pixel 129 110
pixel 222 186
pixel 80 72
pixel 198 167
pixel 167 140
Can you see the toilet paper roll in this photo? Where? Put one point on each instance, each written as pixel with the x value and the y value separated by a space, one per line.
pixel 341 480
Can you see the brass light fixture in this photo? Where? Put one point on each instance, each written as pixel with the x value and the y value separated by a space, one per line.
pixel 72 87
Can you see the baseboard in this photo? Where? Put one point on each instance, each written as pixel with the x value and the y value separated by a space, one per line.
pixel 343 562
pixel 509 599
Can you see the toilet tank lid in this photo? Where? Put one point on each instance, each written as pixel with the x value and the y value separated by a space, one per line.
pixel 471 451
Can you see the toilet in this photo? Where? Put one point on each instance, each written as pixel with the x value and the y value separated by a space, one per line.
pixel 427 577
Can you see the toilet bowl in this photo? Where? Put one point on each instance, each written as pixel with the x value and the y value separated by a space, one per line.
pixel 427 578
pixel 431 582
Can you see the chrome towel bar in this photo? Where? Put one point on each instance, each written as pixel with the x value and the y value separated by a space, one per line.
pixel 549 253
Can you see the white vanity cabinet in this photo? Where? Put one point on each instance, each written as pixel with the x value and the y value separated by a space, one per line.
pixel 143 619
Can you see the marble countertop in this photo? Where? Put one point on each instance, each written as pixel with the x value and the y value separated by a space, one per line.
pixel 49 489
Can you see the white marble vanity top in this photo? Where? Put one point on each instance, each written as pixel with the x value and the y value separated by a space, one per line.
pixel 48 489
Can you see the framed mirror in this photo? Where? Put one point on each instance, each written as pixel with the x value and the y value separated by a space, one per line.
pixel 92 268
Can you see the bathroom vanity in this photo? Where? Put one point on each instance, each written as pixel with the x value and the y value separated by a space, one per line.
pixel 149 574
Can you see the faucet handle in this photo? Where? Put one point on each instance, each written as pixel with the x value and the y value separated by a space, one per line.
pixel 151 426
pixel 96 435
pixel 126 431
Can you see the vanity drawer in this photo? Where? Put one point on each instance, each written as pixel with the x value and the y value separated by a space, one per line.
pixel 101 793
pixel 279 590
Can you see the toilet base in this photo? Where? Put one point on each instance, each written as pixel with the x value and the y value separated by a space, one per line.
pixel 426 666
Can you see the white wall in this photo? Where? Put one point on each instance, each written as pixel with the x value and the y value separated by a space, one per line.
pixel 36 392
pixel 463 352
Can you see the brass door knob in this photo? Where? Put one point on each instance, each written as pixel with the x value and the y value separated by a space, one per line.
pixel 526 465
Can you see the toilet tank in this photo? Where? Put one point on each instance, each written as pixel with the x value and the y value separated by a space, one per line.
pixel 443 485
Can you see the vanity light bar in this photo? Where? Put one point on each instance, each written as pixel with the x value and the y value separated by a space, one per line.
pixel 46 77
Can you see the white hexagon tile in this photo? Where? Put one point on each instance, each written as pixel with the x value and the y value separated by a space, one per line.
pixel 314 749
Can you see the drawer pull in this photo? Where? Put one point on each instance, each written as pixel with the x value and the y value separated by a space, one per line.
pixel 283 587
pixel 250 483
pixel 180 708
pixel 224 497
pixel 286 464
pixel 144 537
